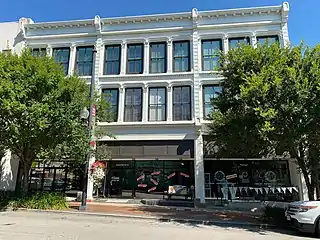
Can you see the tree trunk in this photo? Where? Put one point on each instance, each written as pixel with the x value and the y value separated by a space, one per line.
pixel 310 191
pixel 22 185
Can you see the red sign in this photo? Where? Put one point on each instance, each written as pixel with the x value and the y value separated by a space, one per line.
pixel 141 177
pixel 185 175
pixel 142 185
pixel 92 144
pixel 171 175
pixel 93 110
pixel 154 182
pixel 152 189
pixel 155 173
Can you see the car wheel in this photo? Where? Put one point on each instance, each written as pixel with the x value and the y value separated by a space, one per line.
pixel 317 228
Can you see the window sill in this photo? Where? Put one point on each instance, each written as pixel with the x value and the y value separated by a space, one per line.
pixel 170 123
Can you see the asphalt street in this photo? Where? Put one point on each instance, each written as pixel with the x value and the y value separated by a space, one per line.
pixel 34 226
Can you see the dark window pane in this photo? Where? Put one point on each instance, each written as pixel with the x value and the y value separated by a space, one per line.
pixel 157 104
pixel 209 93
pixel 267 39
pixel 84 61
pixel 61 56
pixel 181 103
pixel 112 60
pixel 235 42
pixel 133 105
pixel 39 52
pixel 135 58
pixel 111 96
pixel 181 56
pixel 157 57
pixel 211 50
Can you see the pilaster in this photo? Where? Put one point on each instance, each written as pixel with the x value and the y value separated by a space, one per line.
pixel 199 169
pixel 121 104
pixel 72 60
pixel 253 40
pixel 49 50
pixel 195 61
pixel 169 55
pixel 284 25
pixel 169 103
pixel 146 57
pixel 123 58
pixel 145 103
pixel 225 44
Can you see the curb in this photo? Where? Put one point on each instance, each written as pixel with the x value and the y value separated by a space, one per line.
pixel 154 218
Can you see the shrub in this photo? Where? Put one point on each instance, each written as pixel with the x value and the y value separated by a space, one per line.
pixel 48 201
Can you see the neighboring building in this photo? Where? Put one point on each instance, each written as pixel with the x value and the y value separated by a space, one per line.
pixel 158 72
pixel 10 41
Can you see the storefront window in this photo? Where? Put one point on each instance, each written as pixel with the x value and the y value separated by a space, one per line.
pixel 249 180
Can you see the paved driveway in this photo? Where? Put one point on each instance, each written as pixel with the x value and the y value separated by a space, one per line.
pixel 34 226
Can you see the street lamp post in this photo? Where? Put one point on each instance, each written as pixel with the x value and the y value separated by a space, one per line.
pixel 90 125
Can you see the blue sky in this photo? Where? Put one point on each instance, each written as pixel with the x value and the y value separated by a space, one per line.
pixel 303 18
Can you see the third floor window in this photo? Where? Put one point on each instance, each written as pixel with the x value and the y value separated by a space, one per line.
pixel 112 64
pixel 181 56
pixel 62 56
pixel 84 61
pixel 39 52
pixel 135 58
pixel 235 42
pixel 158 58
pixel 211 50
pixel 267 39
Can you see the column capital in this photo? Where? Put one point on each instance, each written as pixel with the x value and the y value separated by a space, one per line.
pixel 169 88
pixel 123 44
pixel 73 46
pixel 145 88
pixel 146 42
pixel 225 37
pixel 169 41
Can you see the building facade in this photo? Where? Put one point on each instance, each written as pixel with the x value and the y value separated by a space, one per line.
pixel 158 71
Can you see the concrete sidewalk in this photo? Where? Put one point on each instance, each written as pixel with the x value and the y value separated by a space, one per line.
pixel 197 216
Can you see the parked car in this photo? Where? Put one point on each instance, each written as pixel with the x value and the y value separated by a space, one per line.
pixel 305 216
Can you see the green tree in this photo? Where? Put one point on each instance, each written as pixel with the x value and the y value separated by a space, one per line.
pixel 269 106
pixel 40 112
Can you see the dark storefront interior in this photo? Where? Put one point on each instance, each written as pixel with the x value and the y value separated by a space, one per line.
pixel 249 180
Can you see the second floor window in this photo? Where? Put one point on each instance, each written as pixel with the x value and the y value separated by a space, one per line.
pixel 211 50
pixel 84 61
pixel 181 56
pixel 181 103
pixel 157 58
pixel 209 93
pixel 112 65
pixel 267 39
pixel 135 58
pixel 61 56
pixel 112 97
pixel 133 105
pixel 157 104
pixel 235 42
pixel 39 52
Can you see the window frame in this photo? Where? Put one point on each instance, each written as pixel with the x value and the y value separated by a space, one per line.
pixel 157 105
pixel 239 38
pixel 76 61
pixel 164 58
pixel 117 109
pixel 135 60
pixel 39 50
pixel 202 50
pixel 204 104
pixel 125 103
pixel 113 61
pixel 268 36
pixel 174 58
pixel 173 102
pixel 62 63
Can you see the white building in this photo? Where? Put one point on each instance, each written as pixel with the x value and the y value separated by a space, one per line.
pixel 158 71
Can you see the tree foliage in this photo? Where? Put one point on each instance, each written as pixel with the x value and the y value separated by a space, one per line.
pixel 40 111
pixel 269 106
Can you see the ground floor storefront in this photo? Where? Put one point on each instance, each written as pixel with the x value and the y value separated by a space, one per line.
pixel 177 169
